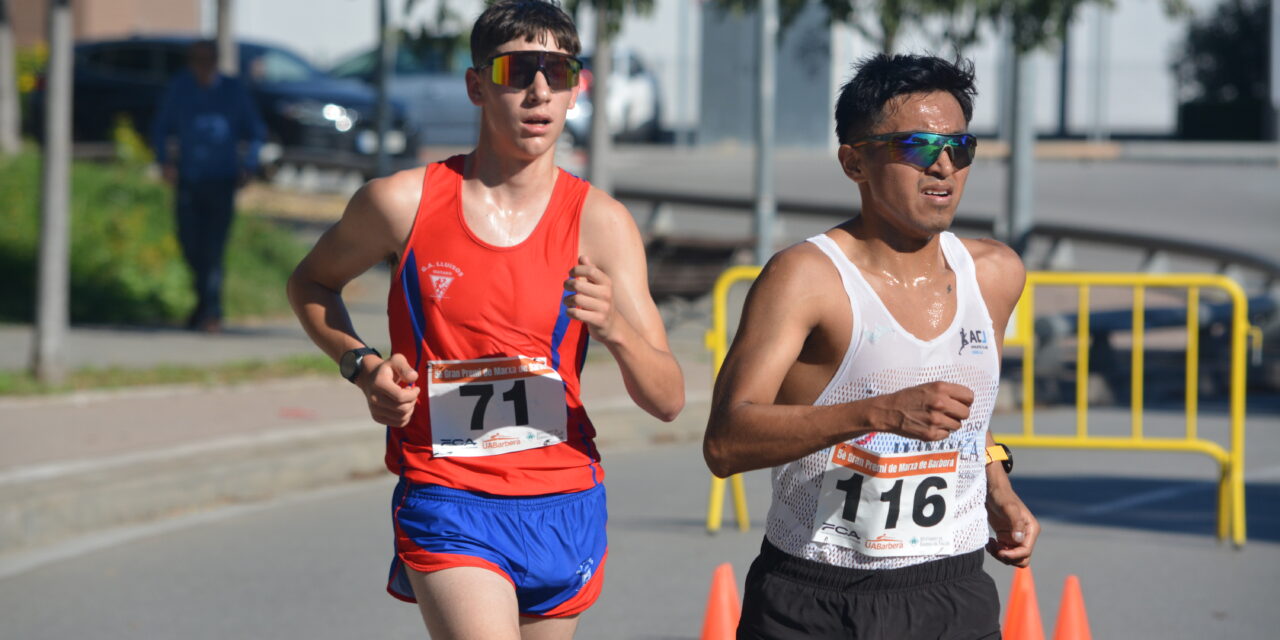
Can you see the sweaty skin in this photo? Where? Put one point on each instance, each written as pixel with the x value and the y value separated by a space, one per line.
pixel 796 323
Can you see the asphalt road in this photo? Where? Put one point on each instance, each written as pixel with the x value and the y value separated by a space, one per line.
pixel 313 565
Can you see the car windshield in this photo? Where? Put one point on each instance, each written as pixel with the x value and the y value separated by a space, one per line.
pixel 269 66
pixel 363 65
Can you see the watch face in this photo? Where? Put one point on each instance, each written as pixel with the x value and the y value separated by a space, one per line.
pixel 347 367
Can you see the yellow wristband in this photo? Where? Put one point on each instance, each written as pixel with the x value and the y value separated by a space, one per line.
pixel 1000 453
pixel 995 453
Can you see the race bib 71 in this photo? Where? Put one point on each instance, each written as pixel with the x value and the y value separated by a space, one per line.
pixel 492 406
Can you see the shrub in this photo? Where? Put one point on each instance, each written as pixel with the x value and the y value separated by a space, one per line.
pixel 126 266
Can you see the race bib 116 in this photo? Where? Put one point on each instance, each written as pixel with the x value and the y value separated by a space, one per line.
pixel 887 505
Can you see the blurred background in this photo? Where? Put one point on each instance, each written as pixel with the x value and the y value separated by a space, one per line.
pixel 1131 137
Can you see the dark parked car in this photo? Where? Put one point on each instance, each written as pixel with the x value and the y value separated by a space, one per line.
pixel 311 117
pixel 433 89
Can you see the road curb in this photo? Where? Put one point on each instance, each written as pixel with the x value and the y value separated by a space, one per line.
pixel 51 503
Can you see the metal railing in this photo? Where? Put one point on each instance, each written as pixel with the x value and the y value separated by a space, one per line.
pixel 1231 516
pixel 1231 508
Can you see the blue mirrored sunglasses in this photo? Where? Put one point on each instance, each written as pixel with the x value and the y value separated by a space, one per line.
pixel 922 148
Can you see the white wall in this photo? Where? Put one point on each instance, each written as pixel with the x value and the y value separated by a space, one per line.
pixel 325 31
pixel 1140 89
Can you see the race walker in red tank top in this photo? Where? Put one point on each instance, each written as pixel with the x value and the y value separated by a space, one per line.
pixel 498 357
pixel 498 452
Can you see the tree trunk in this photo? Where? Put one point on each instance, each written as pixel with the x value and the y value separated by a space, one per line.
pixel 228 54
pixel 10 141
pixel 766 81
pixel 1020 185
pixel 1064 84
pixel 382 110
pixel 53 277
pixel 600 145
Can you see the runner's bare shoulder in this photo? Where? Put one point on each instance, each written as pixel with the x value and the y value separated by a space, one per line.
pixel 800 281
pixel 384 208
pixel 605 218
pixel 1001 275
pixel 999 267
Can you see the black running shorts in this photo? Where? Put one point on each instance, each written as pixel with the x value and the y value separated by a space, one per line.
pixel 789 597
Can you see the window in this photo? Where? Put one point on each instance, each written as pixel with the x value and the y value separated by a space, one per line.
pixel 132 62
pixel 360 66
pixel 276 65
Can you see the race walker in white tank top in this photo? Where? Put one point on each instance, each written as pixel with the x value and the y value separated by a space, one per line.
pixel 884 501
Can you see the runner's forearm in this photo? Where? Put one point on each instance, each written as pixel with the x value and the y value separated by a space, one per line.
pixel 652 376
pixel 752 436
pixel 323 315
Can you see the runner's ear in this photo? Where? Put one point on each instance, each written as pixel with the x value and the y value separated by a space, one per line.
pixel 473 80
pixel 851 161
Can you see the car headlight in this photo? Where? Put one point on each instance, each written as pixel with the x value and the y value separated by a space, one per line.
pixel 311 112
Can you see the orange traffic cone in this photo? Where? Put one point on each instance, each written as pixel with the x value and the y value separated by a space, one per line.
pixel 1022 620
pixel 1073 623
pixel 723 606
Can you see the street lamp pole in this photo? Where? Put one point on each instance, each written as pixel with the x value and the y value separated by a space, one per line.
pixel 53 279
pixel 766 205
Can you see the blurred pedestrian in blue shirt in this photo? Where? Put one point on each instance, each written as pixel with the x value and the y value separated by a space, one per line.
pixel 211 115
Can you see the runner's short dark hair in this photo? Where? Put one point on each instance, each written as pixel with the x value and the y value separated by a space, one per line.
pixel 531 20
pixel 880 78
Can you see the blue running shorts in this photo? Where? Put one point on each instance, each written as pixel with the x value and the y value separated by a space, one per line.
pixel 551 547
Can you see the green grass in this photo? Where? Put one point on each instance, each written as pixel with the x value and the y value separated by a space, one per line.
pixel 22 384
pixel 126 266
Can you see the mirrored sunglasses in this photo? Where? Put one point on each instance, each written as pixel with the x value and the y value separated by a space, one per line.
pixel 922 148
pixel 517 69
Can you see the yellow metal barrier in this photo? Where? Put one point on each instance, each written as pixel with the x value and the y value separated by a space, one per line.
pixel 1021 333
pixel 717 341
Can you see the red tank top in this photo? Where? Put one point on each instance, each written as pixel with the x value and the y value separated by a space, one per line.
pixel 456 297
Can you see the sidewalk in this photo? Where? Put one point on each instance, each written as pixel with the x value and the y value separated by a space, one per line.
pixel 82 462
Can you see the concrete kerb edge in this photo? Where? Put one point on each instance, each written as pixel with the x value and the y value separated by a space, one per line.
pixel 52 503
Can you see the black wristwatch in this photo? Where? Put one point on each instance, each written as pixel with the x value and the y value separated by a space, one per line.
pixel 349 365
pixel 1001 452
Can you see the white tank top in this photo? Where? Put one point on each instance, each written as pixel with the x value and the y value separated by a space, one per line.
pixel 810 516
